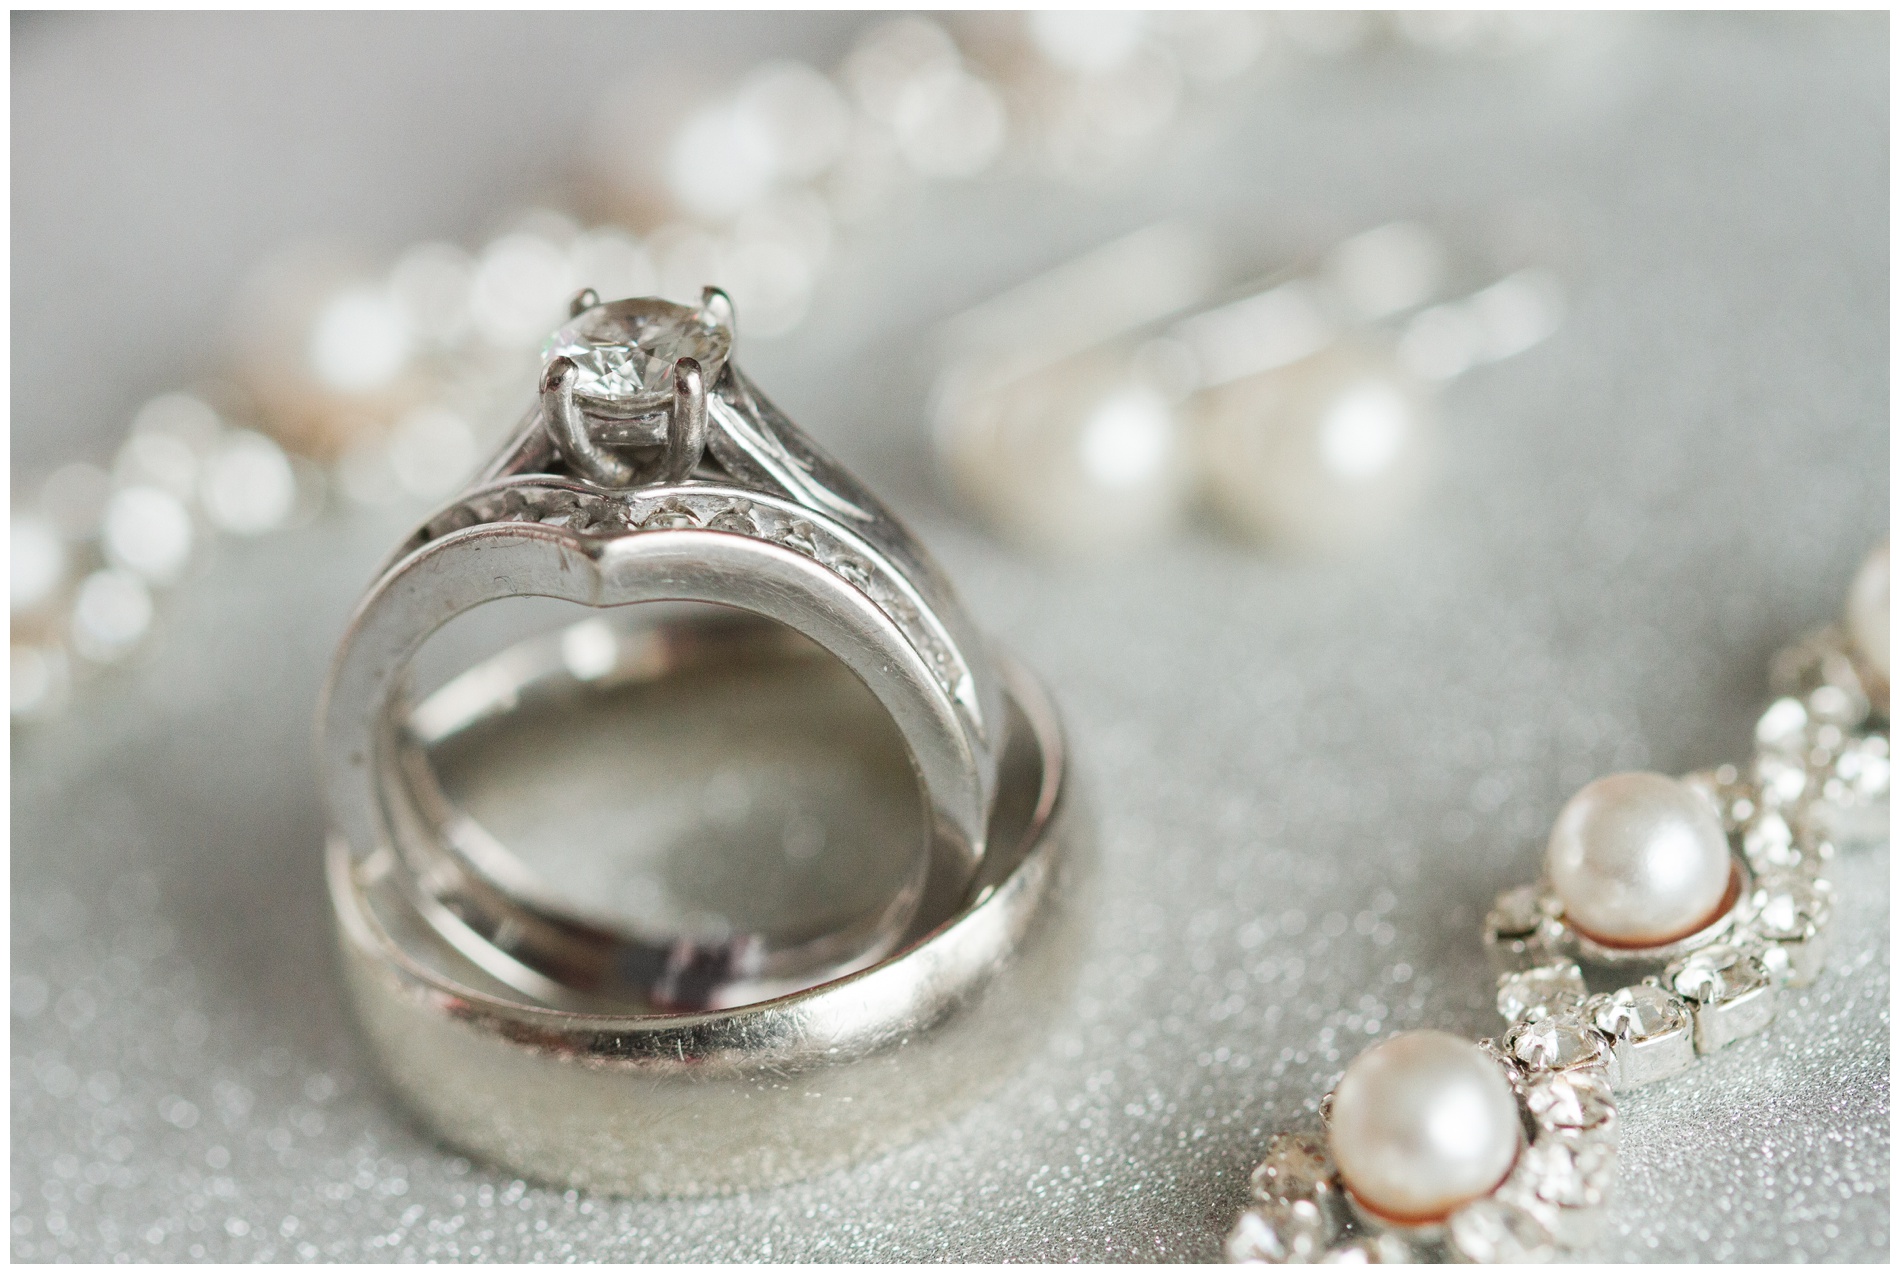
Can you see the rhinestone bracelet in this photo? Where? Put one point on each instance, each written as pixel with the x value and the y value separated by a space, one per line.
pixel 1523 1163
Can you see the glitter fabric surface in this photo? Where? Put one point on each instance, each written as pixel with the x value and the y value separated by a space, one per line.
pixel 1309 780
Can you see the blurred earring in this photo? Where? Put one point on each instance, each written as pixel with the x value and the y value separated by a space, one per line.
pixel 1088 409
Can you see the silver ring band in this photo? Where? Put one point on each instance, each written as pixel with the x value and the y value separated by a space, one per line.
pixel 771 526
pixel 732 1099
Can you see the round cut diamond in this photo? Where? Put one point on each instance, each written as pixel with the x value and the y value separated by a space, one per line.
pixel 626 349
pixel 1641 1012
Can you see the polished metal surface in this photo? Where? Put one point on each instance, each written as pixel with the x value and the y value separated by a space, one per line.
pixel 710 1102
pixel 768 525
pixel 1294 851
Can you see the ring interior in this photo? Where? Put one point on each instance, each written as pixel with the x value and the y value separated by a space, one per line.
pixel 1029 788
pixel 749 768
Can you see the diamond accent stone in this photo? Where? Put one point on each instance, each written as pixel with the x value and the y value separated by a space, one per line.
pixel 853 570
pixel 1491 1231
pixel 1718 973
pixel 1534 994
pixel 1297 1167
pixel 736 518
pixel 1558 1042
pixel 626 349
pixel 1640 1012
pixel 798 538
pixel 1273 1234
pixel 670 516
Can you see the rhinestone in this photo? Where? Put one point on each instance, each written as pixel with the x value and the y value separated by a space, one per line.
pixel 1863 772
pixel 1297 1166
pixel 1786 907
pixel 1570 1174
pixel 1371 1249
pixel 1269 1234
pixel 1572 1103
pixel 1516 914
pixel 1491 1049
pixel 1837 705
pixel 1492 1231
pixel 1641 1012
pixel 1782 725
pixel 1535 994
pixel 627 348
pixel 1783 779
pixel 1731 798
pixel 1768 841
pixel 1718 973
pixel 1557 1042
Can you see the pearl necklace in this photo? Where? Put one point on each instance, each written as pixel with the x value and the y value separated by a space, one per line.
pixel 1713 885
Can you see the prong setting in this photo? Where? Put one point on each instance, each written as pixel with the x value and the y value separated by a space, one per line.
pixel 686 430
pixel 717 307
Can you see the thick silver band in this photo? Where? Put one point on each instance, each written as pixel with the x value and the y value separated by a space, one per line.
pixel 718 1101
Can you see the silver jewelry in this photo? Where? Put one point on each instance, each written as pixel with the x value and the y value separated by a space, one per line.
pixel 1086 410
pixel 719 1100
pixel 372 385
pixel 651 469
pixel 1700 897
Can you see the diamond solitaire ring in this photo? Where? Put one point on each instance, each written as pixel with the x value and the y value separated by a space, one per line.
pixel 618 1052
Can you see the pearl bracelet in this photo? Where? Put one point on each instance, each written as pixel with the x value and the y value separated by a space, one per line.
pixel 1712 887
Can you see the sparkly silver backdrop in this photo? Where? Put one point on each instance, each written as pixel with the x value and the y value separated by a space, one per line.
pixel 1308 779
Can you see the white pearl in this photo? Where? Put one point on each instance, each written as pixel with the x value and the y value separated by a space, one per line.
pixel 1080 458
pixel 1638 860
pixel 1422 1123
pixel 1324 455
pixel 1868 621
